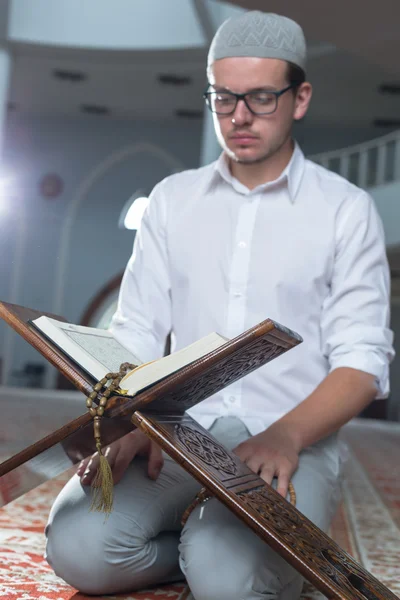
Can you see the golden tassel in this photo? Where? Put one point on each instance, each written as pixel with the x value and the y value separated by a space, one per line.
pixel 102 484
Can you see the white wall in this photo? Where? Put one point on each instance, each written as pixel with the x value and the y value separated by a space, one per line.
pixel 124 24
pixel 387 199
pixel 394 399
pixel 97 250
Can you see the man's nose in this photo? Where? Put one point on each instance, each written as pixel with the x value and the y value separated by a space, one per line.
pixel 242 114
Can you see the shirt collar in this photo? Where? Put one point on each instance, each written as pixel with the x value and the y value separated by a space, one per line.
pixel 290 176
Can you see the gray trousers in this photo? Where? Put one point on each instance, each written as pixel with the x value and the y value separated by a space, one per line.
pixel 142 543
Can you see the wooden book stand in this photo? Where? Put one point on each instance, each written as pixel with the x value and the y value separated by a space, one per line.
pixel 160 412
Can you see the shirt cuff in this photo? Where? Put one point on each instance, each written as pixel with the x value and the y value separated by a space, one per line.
pixel 368 363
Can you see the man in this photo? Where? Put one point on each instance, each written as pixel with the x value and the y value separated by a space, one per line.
pixel 260 233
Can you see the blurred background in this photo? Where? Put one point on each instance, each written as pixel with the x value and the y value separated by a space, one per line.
pixel 100 100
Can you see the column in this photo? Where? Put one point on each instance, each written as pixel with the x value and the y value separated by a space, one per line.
pixel 18 223
pixel 210 148
pixel 5 69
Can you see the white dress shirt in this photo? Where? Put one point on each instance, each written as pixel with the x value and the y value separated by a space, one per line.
pixel 306 250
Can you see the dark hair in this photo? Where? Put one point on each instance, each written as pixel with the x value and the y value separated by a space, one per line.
pixel 295 75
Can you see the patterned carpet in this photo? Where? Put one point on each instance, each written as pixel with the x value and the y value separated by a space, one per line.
pixel 367 524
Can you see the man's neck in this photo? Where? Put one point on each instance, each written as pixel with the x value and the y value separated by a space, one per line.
pixel 254 174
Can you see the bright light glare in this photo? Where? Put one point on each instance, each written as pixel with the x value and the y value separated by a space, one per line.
pixel 3 188
pixel 5 194
pixel 135 213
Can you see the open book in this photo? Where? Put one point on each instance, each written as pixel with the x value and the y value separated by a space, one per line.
pixel 170 385
pixel 98 353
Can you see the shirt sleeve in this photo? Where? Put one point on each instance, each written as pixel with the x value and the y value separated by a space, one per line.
pixel 143 317
pixel 356 314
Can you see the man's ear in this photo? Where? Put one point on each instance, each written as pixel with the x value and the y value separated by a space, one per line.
pixel 303 99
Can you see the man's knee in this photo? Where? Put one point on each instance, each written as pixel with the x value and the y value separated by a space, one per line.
pixel 90 552
pixel 94 558
pixel 239 578
pixel 226 579
pixel 223 559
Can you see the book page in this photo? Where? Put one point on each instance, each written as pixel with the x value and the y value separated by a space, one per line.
pixel 148 374
pixel 95 350
pixel 106 350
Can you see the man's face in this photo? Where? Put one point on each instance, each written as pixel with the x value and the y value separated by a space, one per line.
pixel 249 138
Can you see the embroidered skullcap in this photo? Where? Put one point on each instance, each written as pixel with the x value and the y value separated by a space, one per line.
pixel 262 35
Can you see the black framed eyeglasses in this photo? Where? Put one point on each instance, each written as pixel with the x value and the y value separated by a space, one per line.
pixel 259 102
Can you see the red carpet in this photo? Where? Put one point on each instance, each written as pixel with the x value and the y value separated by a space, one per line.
pixel 367 524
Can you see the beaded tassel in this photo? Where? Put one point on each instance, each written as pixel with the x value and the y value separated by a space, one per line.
pixel 102 484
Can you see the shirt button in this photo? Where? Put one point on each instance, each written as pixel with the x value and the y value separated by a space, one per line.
pixel 242 244
pixel 232 399
pixel 237 294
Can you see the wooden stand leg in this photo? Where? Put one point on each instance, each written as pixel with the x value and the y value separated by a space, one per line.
pixel 306 547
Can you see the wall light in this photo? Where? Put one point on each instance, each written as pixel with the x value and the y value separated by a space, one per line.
pixel 133 211
pixel 7 194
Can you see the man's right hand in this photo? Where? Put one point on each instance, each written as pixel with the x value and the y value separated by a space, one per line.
pixel 120 454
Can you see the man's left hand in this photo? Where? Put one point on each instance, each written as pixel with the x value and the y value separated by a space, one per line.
pixel 271 453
